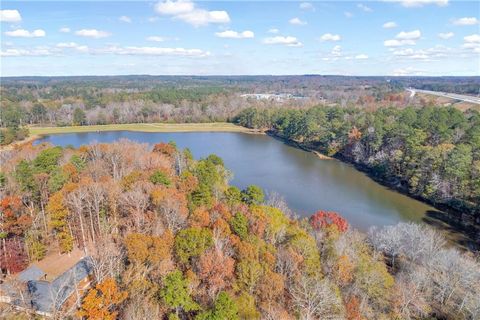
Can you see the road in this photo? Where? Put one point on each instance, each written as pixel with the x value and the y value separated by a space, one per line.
pixel 461 97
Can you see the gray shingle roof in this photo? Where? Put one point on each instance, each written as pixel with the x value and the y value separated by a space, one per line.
pixel 49 296
pixel 31 273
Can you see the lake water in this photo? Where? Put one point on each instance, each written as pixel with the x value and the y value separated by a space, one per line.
pixel 305 181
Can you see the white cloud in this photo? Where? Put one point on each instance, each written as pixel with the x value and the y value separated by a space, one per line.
pixel 473 38
pixel 22 33
pixel 116 50
pixel 38 52
pixel 155 51
pixel 65 30
pixel 174 7
pixel 404 38
pixel 200 17
pixel 230 34
pixel 390 25
pixel 409 71
pixel 10 16
pixel 156 39
pixel 307 6
pixel 419 3
pixel 467 21
pixel 398 43
pixel 273 30
pixel 412 54
pixel 410 35
pixel 363 7
pixel 336 51
pixel 66 45
pixel 288 41
pixel 297 22
pixel 186 11
pixel 72 45
pixel 330 37
pixel 92 33
pixel 125 19
pixel 361 57
pixel 429 54
pixel 348 14
pixel 446 35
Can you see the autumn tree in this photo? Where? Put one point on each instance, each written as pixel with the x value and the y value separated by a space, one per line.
pixel 103 301
pixel 216 270
pixel 59 221
pixel 324 219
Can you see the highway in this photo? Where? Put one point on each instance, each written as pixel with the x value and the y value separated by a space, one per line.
pixel 461 97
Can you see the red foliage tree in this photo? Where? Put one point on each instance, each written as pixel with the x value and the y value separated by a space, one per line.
pixel 352 307
pixel 324 219
pixel 12 220
pixel 13 257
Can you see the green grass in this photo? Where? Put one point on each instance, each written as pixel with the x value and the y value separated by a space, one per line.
pixel 144 127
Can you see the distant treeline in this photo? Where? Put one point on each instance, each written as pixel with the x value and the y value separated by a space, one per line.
pixel 430 152
pixel 65 101
pixel 460 85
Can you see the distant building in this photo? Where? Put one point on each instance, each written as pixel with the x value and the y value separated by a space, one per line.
pixel 33 292
pixel 278 97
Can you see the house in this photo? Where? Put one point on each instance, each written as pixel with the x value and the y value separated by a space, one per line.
pixel 44 297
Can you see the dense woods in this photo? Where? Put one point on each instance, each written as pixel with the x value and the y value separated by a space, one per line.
pixel 171 239
pixel 431 152
pixel 66 101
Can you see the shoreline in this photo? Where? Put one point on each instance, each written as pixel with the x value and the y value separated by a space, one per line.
pixel 38 132
pixel 444 218
pixel 18 144
pixel 146 127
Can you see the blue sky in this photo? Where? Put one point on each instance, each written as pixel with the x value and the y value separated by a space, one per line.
pixel 392 37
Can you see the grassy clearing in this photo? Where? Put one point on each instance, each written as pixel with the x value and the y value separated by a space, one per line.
pixel 145 127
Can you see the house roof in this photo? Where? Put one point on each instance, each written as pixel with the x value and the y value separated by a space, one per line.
pixel 48 296
pixel 31 273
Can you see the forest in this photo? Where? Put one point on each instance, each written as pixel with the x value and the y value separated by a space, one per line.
pixel 171 239
pixel 66 101
pixel 432 153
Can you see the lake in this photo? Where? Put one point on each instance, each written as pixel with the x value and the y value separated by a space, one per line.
pixel 306 182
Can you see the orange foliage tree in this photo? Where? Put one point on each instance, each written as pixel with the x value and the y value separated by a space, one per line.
pixel 164 148
pixel 101 302
pixel 215 270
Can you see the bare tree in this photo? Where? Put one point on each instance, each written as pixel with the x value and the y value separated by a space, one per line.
pixel 274 199
pixel 418 243
pixel 108 259
pixel 316 299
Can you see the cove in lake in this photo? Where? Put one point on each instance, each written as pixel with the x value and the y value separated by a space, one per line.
pixel 306 182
